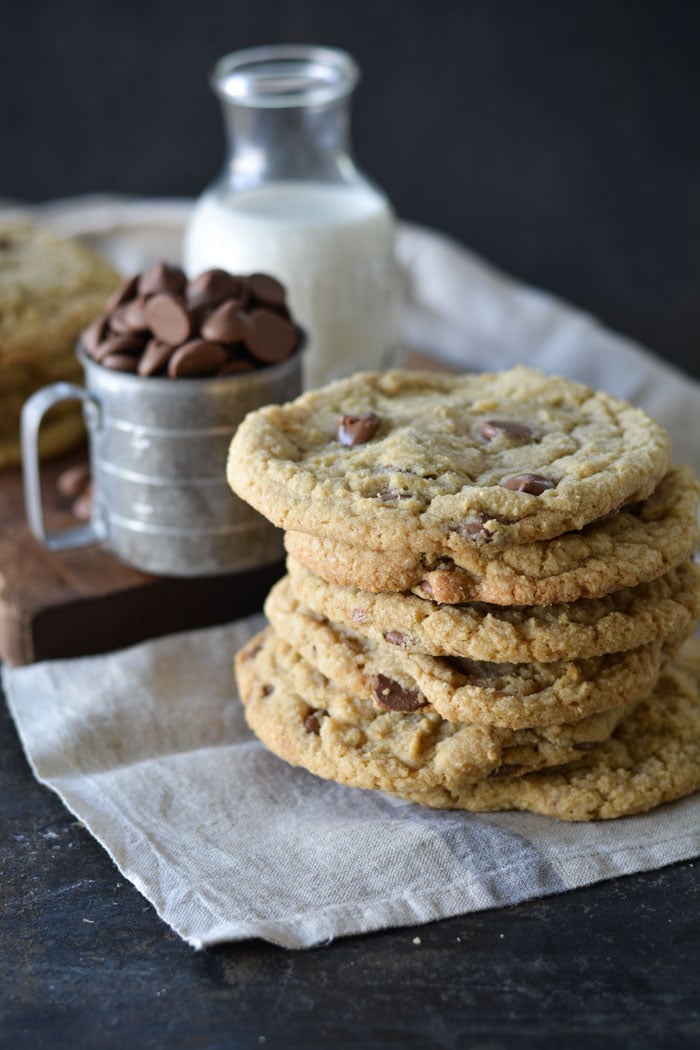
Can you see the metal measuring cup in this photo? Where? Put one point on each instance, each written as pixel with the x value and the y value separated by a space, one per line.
pixel 158 451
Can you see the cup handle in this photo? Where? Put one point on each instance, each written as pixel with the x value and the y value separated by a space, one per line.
pixel 33 411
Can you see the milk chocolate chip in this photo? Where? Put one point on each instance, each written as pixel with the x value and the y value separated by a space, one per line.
pixel 211 288
pixel 125 291
pixel 121 362
pixel 168 319
pixel 155 357
pixel 356 430
pixel 93 335
pixel 266 290
pixel 535 484
pixel 394 637
pixel 268 337
pixel 162 278
pixel 392 696
pixel 196 358
pixel 227 324
pixel 118 344
pixel 507 428
pixel 312 723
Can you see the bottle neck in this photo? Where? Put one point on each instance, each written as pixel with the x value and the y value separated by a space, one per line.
pixel 269 144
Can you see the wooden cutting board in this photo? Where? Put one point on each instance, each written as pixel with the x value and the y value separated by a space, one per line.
pixel 74 603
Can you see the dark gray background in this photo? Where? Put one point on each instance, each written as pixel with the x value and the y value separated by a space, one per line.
pixel 560 139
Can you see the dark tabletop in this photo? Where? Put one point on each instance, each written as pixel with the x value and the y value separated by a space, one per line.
pixel 85 962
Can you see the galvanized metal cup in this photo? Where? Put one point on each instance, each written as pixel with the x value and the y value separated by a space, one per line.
pixel 158 451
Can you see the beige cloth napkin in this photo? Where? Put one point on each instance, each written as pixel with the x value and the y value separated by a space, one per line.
pixel 149 748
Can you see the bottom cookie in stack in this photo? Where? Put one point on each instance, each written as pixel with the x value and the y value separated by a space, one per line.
pixel 635 756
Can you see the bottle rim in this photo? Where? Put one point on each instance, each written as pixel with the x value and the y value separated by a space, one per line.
pixel 284 75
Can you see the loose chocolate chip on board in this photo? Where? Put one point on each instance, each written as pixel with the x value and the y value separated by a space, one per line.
pixel 356 430
pixel 168 319
pixel 81 507
pixel 269 338
pixel 392 696
pixel 155 357
pixel 395 637
pixel 506 428
pixel 162 278
pixel 211 288
pixel 227 324
pixel 71 482
pixel 196 358
pixel 534 484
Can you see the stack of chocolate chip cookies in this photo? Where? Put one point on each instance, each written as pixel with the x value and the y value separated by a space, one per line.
pixel 490 583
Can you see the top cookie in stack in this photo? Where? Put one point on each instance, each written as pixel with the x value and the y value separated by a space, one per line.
pixel 513 490
pixel 49 290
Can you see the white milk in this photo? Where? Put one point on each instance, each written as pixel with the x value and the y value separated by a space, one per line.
pixel 331 245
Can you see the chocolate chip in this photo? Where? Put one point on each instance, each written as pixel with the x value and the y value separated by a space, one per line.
pixel 168 319
pixel 212 287
pixel 269 338
pixel 394 637
pixel 585 745
pixel 507 428
pixel 227 324
pixel 120 362
pixel 196 358
pixel 125 291
pixel 475 529
pixel 71 482
pixel 93 335
pixel 155 357
pixel 427 589
pixel 236 366
pixel 118 344
pixel 81 507
pixel 356 430
pixel 162 278
pixel 359 615
pixel 505 771
pixel 535 484
pixel 312 723
pixel 130 317
pixel 392 696
pixel 266 289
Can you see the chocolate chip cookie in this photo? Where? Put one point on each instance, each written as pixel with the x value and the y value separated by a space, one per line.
pixel 638 543
pixel 446 465
pixel 303 717
pixel 515 634
pixel 653 756
pixel 511 695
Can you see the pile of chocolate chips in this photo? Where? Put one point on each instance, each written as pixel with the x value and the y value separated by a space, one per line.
pixel 159 323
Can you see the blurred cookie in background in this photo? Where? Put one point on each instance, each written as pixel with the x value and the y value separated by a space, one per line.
pixel 50 289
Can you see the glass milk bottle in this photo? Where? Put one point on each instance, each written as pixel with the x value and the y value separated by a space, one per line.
pixel 292 203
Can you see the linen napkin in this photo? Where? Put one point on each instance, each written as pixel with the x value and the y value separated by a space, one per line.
pixel 149 748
